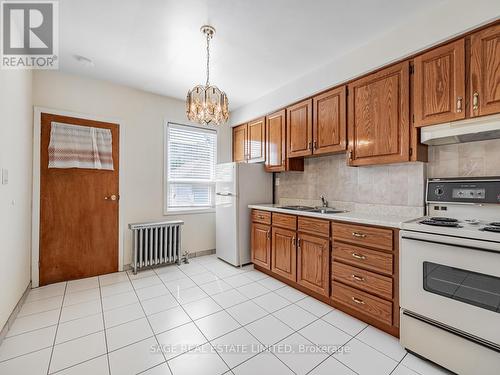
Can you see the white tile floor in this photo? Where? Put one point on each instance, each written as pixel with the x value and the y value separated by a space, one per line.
pixel 205 317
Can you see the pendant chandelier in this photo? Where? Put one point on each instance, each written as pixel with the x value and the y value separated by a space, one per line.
pixel 207 104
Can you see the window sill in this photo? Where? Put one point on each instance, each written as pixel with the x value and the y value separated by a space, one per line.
pixel 187 211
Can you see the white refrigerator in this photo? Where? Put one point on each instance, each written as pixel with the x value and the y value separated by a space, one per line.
pixel 237 186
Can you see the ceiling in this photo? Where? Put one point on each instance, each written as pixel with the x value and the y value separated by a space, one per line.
pixel 260 45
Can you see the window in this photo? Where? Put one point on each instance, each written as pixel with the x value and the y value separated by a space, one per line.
pixel 190 168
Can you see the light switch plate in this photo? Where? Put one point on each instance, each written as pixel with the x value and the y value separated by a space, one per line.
pixel 5 176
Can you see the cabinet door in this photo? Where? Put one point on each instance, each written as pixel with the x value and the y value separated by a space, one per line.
pixel 261 245
pixel 284 253
pixel 313 263
pixel 256 140
pixel 378 111
pixel 485 72
pixel 439 85
pixel 329 121
pixel 275 142
pixel 240 143
pixel 299 129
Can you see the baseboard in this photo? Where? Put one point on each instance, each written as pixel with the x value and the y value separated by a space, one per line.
pixel 14 313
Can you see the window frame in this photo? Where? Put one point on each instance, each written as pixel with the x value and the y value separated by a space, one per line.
pixel 185 210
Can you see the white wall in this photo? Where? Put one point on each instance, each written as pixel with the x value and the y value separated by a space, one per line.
pixel 142 116
pixel 447 19
pixel 16 119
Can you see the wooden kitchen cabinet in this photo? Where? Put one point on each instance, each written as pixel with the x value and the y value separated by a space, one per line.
pixel 329 122
pixel 484 95
pixel 313 263
pixel 299 129
pixel 275 151
pixel 439 85
pixel 240 143
pixel 378 117
pixel 284 253
pixel 261 245
pixel 256 140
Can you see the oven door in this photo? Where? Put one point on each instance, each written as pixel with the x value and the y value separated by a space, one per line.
pixel 452 281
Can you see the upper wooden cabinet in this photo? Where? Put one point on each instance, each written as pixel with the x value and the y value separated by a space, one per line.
pixel 329 121
pixel 276 142
pixel 439 85
pixel 299 129
pixel 240 143
pixel 256 140
pixel 378 123
pixel 485 72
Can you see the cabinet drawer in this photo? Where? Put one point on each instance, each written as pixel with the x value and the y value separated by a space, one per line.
pixel 314 226
pixel 365 280
pixel 263 217
pixel 364 302
pixel 379 238
pixel 365 258
pixel 284 221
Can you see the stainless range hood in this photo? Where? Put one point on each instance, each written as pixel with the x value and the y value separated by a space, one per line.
pixel 470 130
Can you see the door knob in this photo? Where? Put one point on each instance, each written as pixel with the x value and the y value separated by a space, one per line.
pixel 111 198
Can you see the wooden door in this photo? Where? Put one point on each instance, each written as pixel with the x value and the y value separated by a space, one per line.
pixel 313 263
pixel 439 85
pixel 329 122
pixel 276 142
pixel 78 225
pixel 485 72
pixel 299 129
pixel 261 245
pixel 378 111
pixel 256 140
pixel 240 139
pixel 284 253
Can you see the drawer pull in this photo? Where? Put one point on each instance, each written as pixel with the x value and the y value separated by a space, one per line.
pixel 358 301
pixel 358 278
pixel 358 256
pixel 358 235
pixel 261 217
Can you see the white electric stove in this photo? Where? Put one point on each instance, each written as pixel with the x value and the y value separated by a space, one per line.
pixel 450 276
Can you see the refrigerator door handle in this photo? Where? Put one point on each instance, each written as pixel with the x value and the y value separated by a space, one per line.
pixel 225 194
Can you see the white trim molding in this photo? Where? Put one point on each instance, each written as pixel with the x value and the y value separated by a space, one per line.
pixel 35 217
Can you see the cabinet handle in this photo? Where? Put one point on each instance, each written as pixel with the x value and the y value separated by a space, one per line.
pixel 294 243
pixel 475 101
pixel 268 235
pixel 310 145
pixel 315 145
pixel 349 155
pixel 459 104
pixel 358 301
pixel 358 256
pixel 358 235
pixel 298 242
pixel 358 278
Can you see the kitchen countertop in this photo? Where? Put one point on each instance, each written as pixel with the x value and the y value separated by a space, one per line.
pixel 352 216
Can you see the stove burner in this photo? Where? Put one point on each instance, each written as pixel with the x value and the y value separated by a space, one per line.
pixel 495 224
pixel 495 229
pixel 440 223
pixel 444 219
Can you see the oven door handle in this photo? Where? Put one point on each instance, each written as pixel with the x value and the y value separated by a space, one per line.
pixel 464 243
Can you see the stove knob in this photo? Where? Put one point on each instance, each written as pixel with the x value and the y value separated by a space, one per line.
pixel 439 191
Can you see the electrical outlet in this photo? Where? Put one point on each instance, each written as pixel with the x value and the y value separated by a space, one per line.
pixel 277 181
pixel 5 176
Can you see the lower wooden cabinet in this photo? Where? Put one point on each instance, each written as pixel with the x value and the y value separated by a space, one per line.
pixel 284 253
pixel 261 245
pixel 313 262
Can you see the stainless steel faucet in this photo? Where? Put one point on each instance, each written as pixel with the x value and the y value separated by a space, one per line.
pixel 324 201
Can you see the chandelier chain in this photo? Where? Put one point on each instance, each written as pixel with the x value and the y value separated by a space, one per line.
pixel 208 59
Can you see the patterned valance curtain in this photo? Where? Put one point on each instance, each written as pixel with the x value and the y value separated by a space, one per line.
pixel 73 146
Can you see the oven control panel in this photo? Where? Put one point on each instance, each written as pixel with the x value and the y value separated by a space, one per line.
pixel 466 190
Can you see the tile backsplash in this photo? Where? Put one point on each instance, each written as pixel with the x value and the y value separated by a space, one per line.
pixel 395 185
pixel 473 159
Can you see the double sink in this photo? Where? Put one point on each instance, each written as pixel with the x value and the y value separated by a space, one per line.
pixel 319 210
